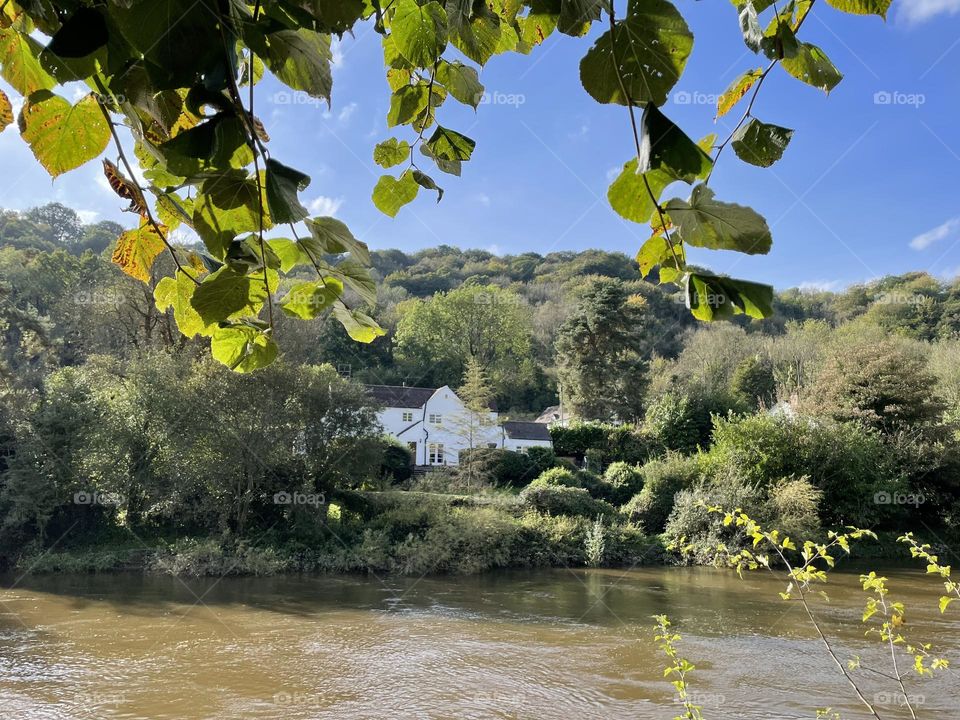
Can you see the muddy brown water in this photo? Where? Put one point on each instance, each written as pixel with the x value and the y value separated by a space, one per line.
pixel 565 644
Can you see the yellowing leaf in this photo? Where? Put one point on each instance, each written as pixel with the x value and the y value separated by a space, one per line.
pixel 6 111
pixel 20 64
pixel 137 249
pixel 63 136
pixel 733 94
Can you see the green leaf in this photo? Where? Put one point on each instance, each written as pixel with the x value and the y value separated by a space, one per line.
pixel 406 104
pixel 391 152
pixel 461 81
pixel 332 237
pixel 217 144
pixel 289 252
pixel 306 300
pixel 390 193
pixel 652 45
pixel 227 294
pixel 657 251
pixel 136 251
pixel 63 136
pixel 243 349
pixel 711 297
pixel 477 35
pixel 19 63
pixel 448 148
pixel 666 147
pixel 300 59
pixel 177 293
pixel 750 26
pixel 228 205
pixel 359 326
pixel 576 16
pixel 812 66
pixel 862 7
pixel 733 94
pixel 628 194
pixel 427 182
pixel 355 276
pixel 760 144
pixel 419 31
pixel 282 185
pixel 708 223
pixel 79 47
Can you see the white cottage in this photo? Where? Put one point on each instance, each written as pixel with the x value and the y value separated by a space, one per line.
pixel 436 425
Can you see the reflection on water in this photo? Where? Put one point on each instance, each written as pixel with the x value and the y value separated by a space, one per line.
pixel 545 644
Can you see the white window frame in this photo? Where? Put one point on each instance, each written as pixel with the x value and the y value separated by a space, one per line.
pixel 436 419
pixel 435 454
pixel 407 416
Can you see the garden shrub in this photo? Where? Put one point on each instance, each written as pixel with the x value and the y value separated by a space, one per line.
pixel 397 463
pixel 793 508
pixel 621 482
pixel 662 480
pixel 563 500
pixel 500 467
pixel 560 476
pixel 701 530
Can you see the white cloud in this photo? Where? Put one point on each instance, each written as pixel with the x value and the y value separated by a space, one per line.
pixel 88 216
pixel 918 11
pixel 495 249
pixel 483 199
pixel 337 52
pixel 347 111
pixel 925 240
pixel 324 205
pixel 812 286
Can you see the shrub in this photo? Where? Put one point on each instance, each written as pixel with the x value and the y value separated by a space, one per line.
pixel 499 466
pixel 577 438
pixel 560 477
pixel 662 480
pixel 563 500
pixel 621 482
pixel 849 464
pixel 793 508
pixel 670 422
pixel 397 462
pixel 753 382
pixel 602 443
pixel 702 531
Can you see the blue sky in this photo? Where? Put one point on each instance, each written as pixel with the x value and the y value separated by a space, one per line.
pixel 866 187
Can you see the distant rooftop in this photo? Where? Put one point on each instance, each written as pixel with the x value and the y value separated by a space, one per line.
pixel 519 430
pixel 400 396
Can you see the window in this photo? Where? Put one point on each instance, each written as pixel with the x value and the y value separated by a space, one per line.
pixel 491 445
pixel 408 417
pixel 436 419
pixel 436 454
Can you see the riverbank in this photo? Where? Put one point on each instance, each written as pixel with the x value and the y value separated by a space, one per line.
pixel 403 533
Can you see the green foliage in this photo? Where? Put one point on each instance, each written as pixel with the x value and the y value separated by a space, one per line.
pixel 662 480
pixel 503 468
pixel 621 482
pixel 563 500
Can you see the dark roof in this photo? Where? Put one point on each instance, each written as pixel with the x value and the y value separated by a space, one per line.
pixel 400 395
pixel 517 430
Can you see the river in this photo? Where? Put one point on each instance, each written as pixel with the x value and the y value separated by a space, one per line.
pixel 565 644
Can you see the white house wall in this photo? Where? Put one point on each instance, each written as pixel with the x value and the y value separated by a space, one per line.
pixel 424 432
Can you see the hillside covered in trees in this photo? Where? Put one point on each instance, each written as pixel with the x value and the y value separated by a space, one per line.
pixel 841 409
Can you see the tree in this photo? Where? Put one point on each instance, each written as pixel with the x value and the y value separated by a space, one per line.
pixel 61 224
pixel 201 147
pixel 885 385
pixel 437 338
pixel 474 423
pixel 603 352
